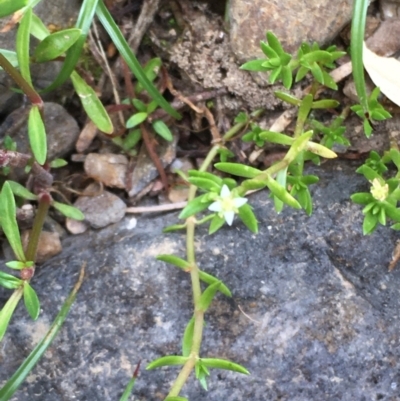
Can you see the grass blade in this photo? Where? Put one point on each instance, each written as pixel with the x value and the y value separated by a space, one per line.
pixel 127 54
pixel 357 38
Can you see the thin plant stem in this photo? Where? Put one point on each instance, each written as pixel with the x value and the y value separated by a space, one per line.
pixel 32 95
pixel 196 288
pixel 43 207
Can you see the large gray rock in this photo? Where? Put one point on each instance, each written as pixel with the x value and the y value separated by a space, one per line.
pixel 323 311
pixel 292 21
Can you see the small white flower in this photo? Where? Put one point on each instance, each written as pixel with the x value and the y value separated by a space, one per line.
pixel 379 192
pixel 226 205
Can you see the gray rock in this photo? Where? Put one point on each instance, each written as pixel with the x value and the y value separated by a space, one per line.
pixel 322 311
pixel 101 210
pixel 61 129
pixel 292 21
pixel 110 169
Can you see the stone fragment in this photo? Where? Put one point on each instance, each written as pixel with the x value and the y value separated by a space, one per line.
pixel 76 227
pixel 109 169
pixel 86 136
pixel 49 245
pixel 292 21
pixel 101 209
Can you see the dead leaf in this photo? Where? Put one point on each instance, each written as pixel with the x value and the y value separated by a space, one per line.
pixel 86 136
pixel 384 72
pixel 16 17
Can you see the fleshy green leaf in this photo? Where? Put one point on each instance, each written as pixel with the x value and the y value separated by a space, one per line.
pixel 368 173
pixel 201 373
pixel 18 265
pixel 208 295
pixel 56 44
pixel 174 227
pixel 320 56
pixel 170 360
pixel 238 169
pixel 195 206
pixel 281 178
pixel 139 105
pixel 287 77
pixel 298 145
pixel 188 338
pixel 204 174
pixel 92 104
pixel 224 364
pixel 216 223
pixel 391 211
pixel 8 221
pixel 276 137
pixel 22 45
pixel 37 135
pixel 320 150
pixel 369 223
pixel 7 311
pixel 9 281
pixel 288 98
pixel 205 184
pixel 249 219
pixel 38 28
pixel 176 399
pixel 281 193
pixel 325 104
pixel 250 185
pixel 57 163
pixel 31 301
pixel 162 129
pixel 175 260
pixel 304 110
pixel 21 191
pixel 254 65
pixel 68 210
pixel 136 119
pixel 209 279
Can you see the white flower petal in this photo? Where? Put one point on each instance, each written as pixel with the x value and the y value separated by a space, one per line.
pixel 229 215
pixel 215 207
pixel 238 202
pixel 225 192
